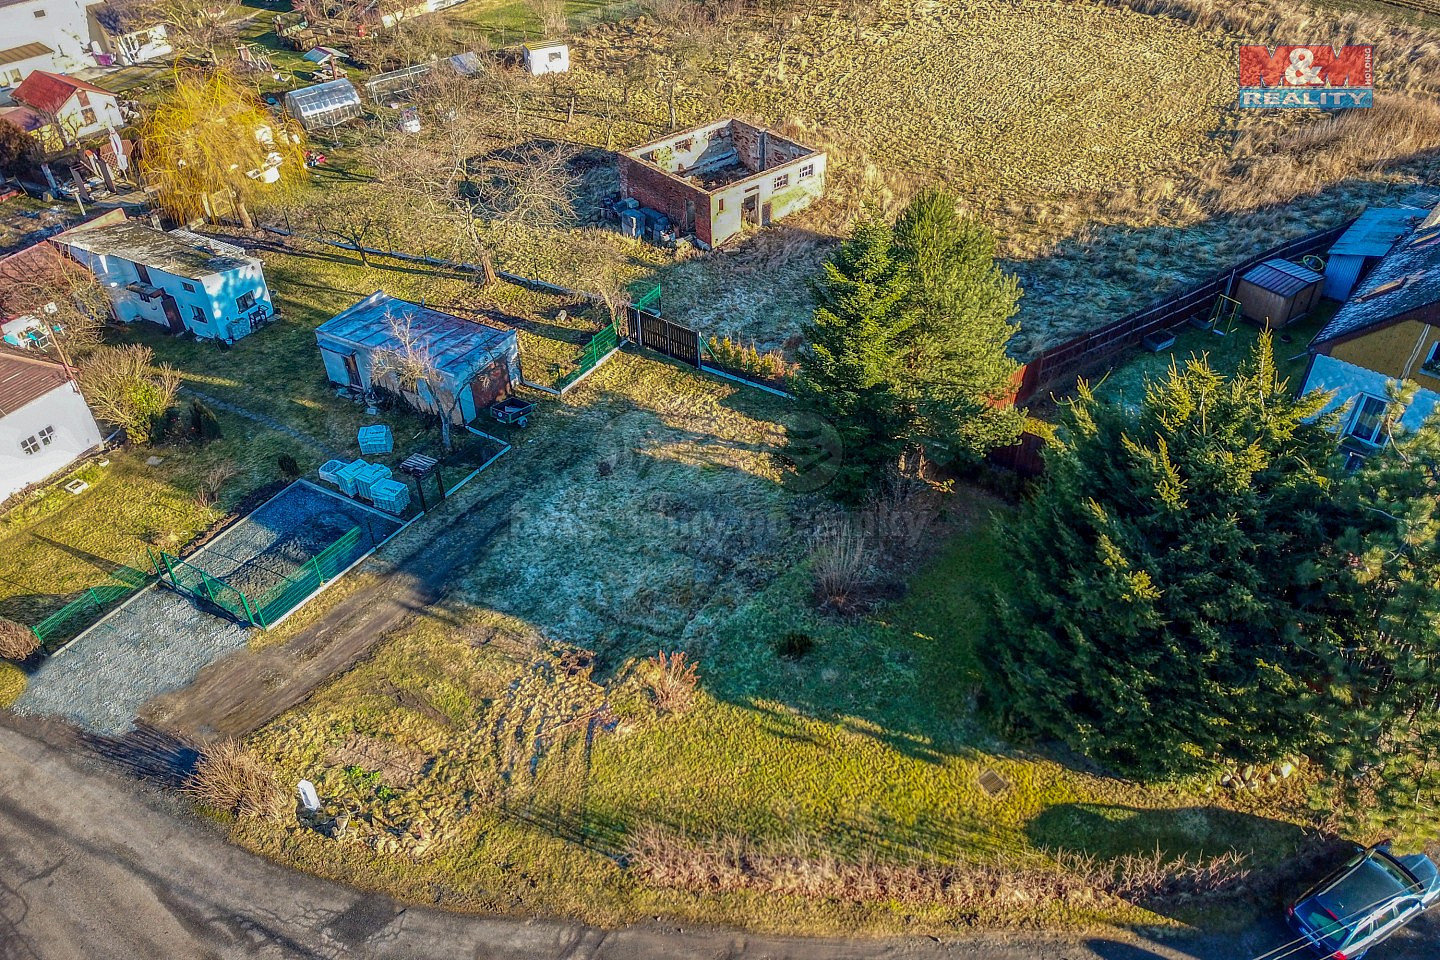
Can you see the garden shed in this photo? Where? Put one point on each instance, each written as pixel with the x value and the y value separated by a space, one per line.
pixel 1278 292
pixel 324 105
pixel 469 364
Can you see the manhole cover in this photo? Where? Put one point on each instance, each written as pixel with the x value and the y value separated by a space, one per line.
pixel 992 783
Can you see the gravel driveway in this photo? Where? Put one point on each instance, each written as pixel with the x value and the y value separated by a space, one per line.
pixel 156 642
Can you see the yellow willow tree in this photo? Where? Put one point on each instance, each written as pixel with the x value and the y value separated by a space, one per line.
pixel 210 149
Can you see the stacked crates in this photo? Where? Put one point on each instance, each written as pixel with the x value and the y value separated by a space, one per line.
pixel 330 471
pixel 345 476
pixel 367 476
pixel 375 439
pixel 392 496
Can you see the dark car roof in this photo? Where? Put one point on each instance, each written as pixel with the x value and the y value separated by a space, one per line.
pixel 1373 882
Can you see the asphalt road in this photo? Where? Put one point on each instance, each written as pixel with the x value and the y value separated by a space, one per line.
pixel 96 865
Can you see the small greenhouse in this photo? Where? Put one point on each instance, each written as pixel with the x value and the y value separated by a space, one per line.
pixel 324 105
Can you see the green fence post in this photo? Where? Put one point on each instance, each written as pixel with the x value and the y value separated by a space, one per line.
pixel 170 568
pixel 38 638
pixel 93 598
pixel 316 567
pixel 245 602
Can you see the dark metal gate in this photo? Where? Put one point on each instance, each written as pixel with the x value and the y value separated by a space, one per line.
pixel 654 332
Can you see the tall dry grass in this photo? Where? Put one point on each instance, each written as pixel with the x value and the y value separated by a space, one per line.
pixel 803 868
pixel 17 641
pixel 231 779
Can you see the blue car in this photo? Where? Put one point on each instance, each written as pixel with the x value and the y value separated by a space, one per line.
pixel 1364 902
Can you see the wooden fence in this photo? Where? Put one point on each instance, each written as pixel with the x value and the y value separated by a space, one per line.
pixel 1089 351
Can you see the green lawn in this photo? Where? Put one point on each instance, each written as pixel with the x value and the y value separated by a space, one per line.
pixel 54 545
pixel 1126 382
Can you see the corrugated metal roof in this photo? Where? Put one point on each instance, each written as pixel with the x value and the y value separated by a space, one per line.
pixel 455 345
pixel 1406 279
pixel 26 379
pixel 1375 231
pixel 26 51
pixel 1282 277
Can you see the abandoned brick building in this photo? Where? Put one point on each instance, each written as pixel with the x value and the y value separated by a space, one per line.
pixel 712 180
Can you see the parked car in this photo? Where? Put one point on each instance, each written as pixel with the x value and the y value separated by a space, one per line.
pixel 1365 902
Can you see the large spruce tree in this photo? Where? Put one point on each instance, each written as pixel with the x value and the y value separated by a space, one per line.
pixel 1169 608
pixel 954 355
pixel 907 344
pixel 849 374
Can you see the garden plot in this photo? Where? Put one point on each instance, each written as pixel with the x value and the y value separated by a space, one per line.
pixel 272 545
pixel 161 639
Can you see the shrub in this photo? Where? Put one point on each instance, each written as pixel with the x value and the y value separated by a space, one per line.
pixel 289 467
pixel 12 684
pixel 126 388
pixel 795 645
pixel 843 563
pixel 230 779
pixel 203 422
pixel 671 679
pixel 767 365
pixel 17 641
pixel 213 482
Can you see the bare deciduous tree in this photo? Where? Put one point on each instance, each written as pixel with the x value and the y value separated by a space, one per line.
pixel 412 368
pixel 362 218
pixel 195 28
pixel 67 301
pixel 530 186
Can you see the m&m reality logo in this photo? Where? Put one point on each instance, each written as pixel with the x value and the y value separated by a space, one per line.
pixel 1316 77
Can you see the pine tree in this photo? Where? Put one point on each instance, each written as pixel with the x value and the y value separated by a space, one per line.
pixel 1169 610
pixel 847 375
pixel 957 369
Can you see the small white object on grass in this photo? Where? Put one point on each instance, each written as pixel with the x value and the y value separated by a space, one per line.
pixel 308 797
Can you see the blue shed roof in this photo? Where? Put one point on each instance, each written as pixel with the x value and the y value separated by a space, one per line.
pixel 455 345
pixel 1406 280
pixel 1282 277
pixel 1375 232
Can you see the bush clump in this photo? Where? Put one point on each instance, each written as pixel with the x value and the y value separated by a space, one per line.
pixel 230 779
pixel 671 679
pixel 17 641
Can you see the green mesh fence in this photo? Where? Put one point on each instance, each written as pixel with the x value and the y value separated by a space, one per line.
pixel 70 620
pixel 265 610
pixel 596 350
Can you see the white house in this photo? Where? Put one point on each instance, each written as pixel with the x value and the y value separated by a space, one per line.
pixel 179 279
pixel 127 35
pixel 44 423
pixel 73 108
pixel 476 363
pixel 544 58
pixel 43 35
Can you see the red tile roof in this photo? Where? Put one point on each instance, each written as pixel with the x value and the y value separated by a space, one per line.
pixel 24 379
pixel 49 91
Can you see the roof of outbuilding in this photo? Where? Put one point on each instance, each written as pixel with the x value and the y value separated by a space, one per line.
pixel 1406 279
pixel 1282 277
pixel 26 51
pixel 49 91
pixel 23 117
pixel 180 252
pixel 25 379
pixel 1375 231
pixel 450 341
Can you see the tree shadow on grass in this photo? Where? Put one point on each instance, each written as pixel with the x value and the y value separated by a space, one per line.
pixel 1109 831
